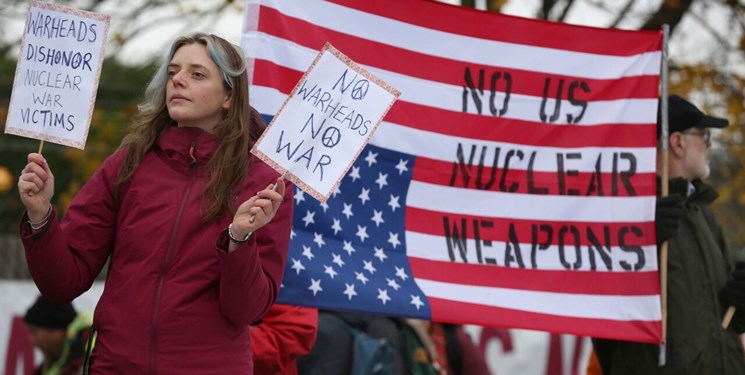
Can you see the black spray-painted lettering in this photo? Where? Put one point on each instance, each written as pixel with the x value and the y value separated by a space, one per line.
pixel 563 174
pixel 566 233
pixel 624 175
pixel 603 248
pixel 572 97
pixel 512 252
pixel 464 169
pixel 477 92
pixel 456 238
pixel 576 247
pixel 636 249
pixel 479 241
pixel 537 244
pixel 481 167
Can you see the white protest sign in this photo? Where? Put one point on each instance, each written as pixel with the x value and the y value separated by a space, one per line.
pixel 56 79
pixel 325 123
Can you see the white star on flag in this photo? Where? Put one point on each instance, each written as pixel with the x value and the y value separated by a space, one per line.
pixel 315 286
pixel 355 173
pixel 371 158
pixel 400 272
pixel 307 252
pixel 348 248
pixel 393 202
pixel 383 296
pixel 308 219
pixel 364 195
pixel 336 226
pixel 369 266
pixel 329 271
pixel 380 254
pixel 349 291
pixel 337 260
pixel 377 218
pixel 318 239
pixel 361 277
pixel 401 166
pixel 382 180
pixel 297 265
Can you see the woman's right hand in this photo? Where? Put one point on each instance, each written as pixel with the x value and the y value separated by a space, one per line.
pixel 36 187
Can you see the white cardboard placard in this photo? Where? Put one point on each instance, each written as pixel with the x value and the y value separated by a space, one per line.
pixel 325 123
pixel 56 80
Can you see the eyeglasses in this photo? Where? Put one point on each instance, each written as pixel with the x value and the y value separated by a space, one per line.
pixel 706 134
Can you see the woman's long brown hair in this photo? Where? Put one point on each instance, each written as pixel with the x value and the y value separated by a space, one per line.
pixel 237 131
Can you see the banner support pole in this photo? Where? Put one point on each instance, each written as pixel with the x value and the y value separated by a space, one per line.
pixel 664 188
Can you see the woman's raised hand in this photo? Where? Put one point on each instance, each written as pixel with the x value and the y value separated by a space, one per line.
pixel 259 209
pixel 36 187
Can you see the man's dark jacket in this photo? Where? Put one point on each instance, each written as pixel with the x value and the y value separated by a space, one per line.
pixel 698 268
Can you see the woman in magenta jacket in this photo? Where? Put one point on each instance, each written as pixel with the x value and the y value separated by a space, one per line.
pixel 195 228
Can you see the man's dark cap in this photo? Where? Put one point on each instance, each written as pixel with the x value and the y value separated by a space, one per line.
pixel 46 314
pixel 683 115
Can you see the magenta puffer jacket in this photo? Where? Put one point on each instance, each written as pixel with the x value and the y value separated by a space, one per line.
pixel 174 301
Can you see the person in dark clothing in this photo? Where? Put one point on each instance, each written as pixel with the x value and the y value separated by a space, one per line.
pixel 60 333
pixel 701 280
pixel 417 346
pixel 333 352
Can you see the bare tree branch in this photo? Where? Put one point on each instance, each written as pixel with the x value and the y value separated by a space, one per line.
pixel 564 13
pixel 546 7
pixel 468 3
pixel 719 38
pixel 670 13
pixel 622 13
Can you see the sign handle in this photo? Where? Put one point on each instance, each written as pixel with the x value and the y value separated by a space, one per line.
pixel 728 316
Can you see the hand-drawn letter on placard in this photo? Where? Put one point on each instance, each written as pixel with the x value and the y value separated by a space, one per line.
pixel 325 123
pixel 56 79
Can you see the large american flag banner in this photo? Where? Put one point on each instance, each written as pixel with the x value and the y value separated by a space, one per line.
pixel 512 184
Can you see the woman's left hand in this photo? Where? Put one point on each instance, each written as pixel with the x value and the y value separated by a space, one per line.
pixel 258 210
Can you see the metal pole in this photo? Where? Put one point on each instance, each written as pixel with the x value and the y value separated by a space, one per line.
pixel 664 134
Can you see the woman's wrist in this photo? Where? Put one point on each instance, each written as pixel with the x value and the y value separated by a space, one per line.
pixel 38 220
pixel 238 235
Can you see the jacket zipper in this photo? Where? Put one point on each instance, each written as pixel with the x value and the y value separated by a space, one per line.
pixel 164 269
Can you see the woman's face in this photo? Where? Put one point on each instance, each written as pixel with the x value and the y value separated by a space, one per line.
pixel 195 94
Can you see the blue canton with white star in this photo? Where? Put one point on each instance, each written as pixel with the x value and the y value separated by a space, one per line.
pixel 350 253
